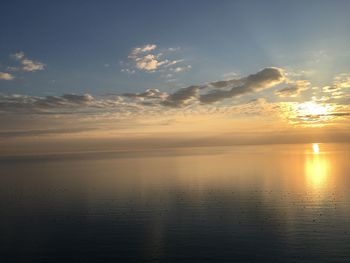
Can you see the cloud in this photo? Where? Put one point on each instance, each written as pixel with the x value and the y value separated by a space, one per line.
pixel 329 89
pixel 28 65
pixel 261 80
pixel 136 51
pixel 338 91
pixel 173 49
pixel 294 73
pixel 214 91
pixel 31 66
pixel 149 58
pixel 19 55
pixel 342 81
pixel 182 97
pixel 227 83
pixel 337 114
pixel 149 93
pixel 64 101
pixel 144 60
pixel 6 76
pixel 148 63
pixel 154 102
pixel 230 75
pixel 170 111
pixel 293 89
pixel 128 70
pixel 180 69
pixel 35 104
pixel 71 104
pixel 153 111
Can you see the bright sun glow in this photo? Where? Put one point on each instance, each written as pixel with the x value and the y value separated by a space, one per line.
pixel 311 108
pixel 316 148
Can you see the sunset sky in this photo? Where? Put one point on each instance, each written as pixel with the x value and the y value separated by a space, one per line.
pixel 77 75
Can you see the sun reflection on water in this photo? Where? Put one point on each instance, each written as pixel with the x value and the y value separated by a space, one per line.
pixel 317 168
pixel 316 148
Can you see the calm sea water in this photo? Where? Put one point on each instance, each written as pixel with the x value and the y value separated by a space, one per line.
pixel 228 204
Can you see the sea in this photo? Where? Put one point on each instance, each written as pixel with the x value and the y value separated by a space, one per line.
pixel 255 203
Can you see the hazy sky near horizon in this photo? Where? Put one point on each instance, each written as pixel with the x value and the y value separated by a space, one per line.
pixel 144 68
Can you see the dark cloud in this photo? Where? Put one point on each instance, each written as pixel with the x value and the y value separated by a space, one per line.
pixel 65 104
pixel 293 89
pixel 182 97
pixel 227 83
pixel 334 114
pixel 212 92
pixel 264 79
pixel 15 103
pixel 149 93
pixel 215 91
pixel 134 102
pixel 288 91
pixel 330 88
pixel 339 114
pixel 66 100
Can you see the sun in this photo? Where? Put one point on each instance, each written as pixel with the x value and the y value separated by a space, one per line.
pixel 316 148
pixel 311 108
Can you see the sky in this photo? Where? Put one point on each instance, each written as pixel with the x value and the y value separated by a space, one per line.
pixel 129 73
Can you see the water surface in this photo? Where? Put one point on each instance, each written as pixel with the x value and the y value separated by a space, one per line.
pixel 226 204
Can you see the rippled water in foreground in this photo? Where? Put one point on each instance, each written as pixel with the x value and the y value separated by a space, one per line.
pixel 236 204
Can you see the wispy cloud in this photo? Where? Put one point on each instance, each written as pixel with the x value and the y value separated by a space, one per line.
pixel 342 81
pixel 336 92
pixel 293 89
pixel 19 55
pixel 149 58
pixel 27 64
pixel 6 76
